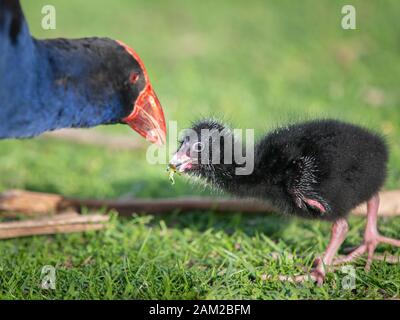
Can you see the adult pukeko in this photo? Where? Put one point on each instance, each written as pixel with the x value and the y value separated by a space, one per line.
pixel 319 169
pixel 61 83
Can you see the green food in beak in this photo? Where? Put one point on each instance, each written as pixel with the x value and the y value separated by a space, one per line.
pixel 171 169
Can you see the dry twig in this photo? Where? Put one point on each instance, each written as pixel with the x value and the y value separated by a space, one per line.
pixel 37 204
pixel 62 223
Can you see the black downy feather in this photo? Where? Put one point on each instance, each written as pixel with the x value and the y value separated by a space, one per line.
pixel 336 164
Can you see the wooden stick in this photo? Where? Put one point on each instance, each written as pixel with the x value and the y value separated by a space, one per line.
pixel 62 223
pixel 61 219
pixel 15 233
pixel 29 203
pixel 37 204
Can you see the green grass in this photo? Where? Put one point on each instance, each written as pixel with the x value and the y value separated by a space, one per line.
pixel 258 64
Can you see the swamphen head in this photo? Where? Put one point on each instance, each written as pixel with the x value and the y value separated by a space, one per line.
pixel 146 115
pixel 71 83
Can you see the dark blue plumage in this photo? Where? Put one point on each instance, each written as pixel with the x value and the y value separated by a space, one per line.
pixel 61 83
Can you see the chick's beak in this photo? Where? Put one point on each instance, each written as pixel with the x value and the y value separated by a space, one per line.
pixel 181 160
pixel 147 117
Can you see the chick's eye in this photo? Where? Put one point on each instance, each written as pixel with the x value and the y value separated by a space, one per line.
pixel 198 147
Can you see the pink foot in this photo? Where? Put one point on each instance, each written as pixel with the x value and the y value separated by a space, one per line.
pixel 369 246
pixel 371 237
pixel 317 275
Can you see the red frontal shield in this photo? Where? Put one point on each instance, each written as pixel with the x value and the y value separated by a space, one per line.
pixel 147 117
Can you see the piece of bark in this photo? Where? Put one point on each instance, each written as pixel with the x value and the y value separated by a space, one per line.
pixel 29 203
pixel 62 223
pixel 16 233
pixel 36 204
pixel 61 219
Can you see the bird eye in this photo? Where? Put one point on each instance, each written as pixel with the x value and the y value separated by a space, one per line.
pixel 134 77
pixel 198 147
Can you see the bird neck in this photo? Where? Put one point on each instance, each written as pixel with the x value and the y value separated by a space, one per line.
pixel 234 174
pixel 42 87
pixel 244 178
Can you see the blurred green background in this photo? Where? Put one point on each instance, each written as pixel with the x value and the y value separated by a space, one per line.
pixel 256 64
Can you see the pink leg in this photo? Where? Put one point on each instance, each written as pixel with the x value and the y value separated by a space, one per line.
pixel 338 234
pixel 371 236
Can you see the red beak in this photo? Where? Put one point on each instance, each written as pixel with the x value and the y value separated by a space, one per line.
pixel 147 117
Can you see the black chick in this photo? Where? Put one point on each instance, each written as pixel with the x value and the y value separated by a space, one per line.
pixel 318 169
